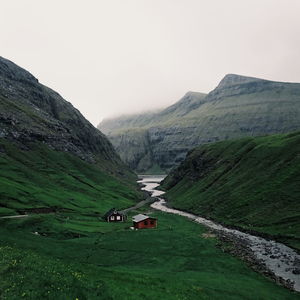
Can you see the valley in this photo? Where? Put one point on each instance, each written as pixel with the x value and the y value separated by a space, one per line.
pixel 150 150
pixel 60 175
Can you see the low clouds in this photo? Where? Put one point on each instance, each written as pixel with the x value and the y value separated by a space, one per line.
pixel 120 56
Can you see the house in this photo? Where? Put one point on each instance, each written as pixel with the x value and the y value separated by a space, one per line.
pixel 114 216
pixel 142 221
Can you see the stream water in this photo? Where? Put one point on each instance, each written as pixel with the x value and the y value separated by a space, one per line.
pixel 283 262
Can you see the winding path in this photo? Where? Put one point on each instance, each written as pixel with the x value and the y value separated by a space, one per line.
pixel 14 217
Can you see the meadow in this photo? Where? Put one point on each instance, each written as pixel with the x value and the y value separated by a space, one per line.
pixel 111 261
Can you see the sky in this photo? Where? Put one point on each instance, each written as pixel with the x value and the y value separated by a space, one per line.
pixel 113 57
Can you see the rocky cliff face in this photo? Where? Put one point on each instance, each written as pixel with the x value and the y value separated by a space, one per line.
pixel 239 106
pixel 31 112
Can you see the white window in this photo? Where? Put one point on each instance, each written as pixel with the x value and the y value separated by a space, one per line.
pixel 112 218
pixel 118 218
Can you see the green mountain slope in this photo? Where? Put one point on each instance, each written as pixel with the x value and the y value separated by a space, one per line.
pixel 239 106
pixel 50 155
pixel 43 178
pixel 253 183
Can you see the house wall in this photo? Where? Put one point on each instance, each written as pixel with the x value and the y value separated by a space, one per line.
pixel 113 218
pixel 142 225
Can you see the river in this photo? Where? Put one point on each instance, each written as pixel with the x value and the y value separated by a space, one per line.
pixel 281 261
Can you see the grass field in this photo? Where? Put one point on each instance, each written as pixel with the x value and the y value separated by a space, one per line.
pixel 111 261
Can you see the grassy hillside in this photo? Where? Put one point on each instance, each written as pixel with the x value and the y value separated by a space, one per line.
pixel 239 106
pixel 253 183
pixel 110 261
pixel 41 177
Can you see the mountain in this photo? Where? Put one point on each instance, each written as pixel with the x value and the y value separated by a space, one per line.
pixel 50 155
pixel 239 106
pixel 252 183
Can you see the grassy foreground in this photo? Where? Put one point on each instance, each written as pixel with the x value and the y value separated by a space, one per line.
pixel 253 183
pixel 111 261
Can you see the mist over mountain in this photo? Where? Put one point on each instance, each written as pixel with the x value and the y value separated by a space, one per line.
pixel 239 106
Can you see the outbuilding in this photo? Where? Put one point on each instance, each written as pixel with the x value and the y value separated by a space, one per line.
pixel 114 216
pixel 142 221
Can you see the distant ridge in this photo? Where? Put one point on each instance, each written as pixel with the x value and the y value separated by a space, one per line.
pixel 239 106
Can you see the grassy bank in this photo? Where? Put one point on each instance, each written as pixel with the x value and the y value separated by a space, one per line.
pixel 253 183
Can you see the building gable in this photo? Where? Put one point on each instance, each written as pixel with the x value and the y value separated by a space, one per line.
pixel 114 216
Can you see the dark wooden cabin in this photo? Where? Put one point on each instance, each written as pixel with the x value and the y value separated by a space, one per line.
pixel 114 216
pixel 142 221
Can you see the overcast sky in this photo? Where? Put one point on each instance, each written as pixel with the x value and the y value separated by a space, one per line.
pixel 109 57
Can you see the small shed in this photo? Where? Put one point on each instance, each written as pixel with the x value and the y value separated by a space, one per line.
pixel 142 221
pixel 114 216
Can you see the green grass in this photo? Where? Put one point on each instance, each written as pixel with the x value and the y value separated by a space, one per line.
pixel 253 183
pixel 173 261
pixel 40 177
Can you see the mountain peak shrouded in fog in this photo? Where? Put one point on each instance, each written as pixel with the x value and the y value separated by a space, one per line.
pixel 234 79
pixel 239 106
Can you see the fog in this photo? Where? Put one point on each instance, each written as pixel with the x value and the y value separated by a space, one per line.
pixel 110 57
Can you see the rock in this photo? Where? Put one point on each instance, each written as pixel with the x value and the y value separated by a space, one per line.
pixel 31 112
